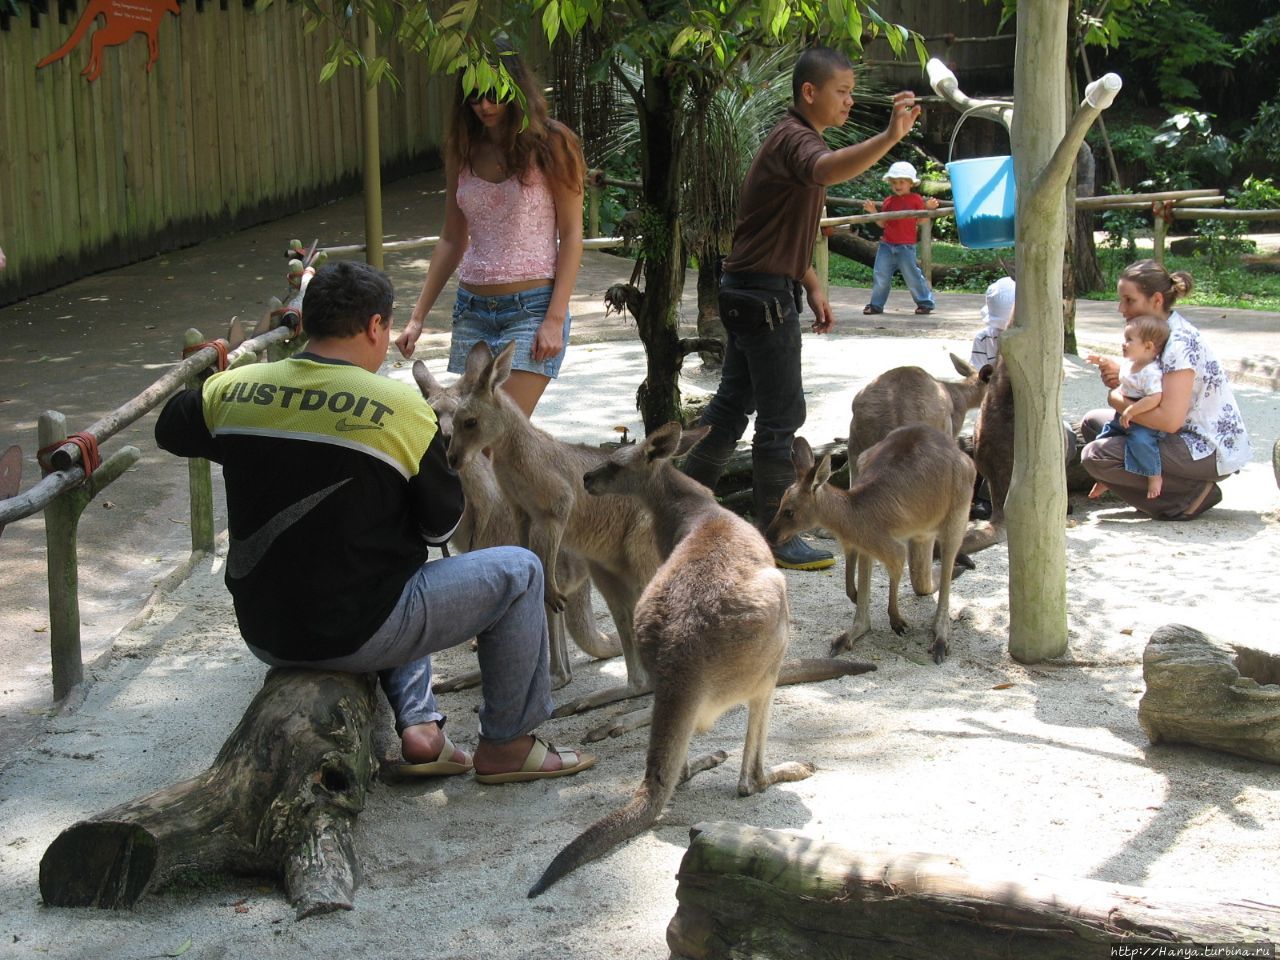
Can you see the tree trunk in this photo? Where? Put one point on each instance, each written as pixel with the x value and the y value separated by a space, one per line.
pixel 745 891
pixel 1202 691
pixel 658 398
pixel 280 800
pixel 1032 347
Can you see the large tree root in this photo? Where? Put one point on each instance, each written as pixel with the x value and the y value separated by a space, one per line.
pixel 280 800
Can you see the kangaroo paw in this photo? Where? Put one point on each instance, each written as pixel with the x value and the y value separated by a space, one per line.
pixel 623 723
pixel 840 644
pixel 899 625
pixel 963 562
pixel 555 600
pixel 940 649
pixel 788 772
pixel 706 762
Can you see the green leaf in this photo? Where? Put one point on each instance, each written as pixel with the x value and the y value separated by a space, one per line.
pixel 181 950
pixel 328 70
pixel 551 20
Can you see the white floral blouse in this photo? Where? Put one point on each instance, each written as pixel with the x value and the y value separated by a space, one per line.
pixel 1213 424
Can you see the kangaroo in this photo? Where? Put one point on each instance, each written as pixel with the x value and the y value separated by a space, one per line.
pixel 121 20
pixel 711 628
pixel 993 455
pixel 541 477
pixel 912 487
pixel 490 521
pixel 899 397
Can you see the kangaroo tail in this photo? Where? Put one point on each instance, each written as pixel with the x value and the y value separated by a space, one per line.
pixel 602 836
pixel 82 26
pixel 669 736
pixel 814 669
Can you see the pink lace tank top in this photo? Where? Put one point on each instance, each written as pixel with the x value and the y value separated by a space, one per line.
pixel 512 228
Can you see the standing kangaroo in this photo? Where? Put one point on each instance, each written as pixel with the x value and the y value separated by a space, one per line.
pixel 899 397
pixel 121 20
pixel 711 629
pixel 490 521
pixel 914 486
pixel 542 479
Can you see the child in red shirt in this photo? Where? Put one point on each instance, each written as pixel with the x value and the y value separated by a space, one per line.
pixel 897 251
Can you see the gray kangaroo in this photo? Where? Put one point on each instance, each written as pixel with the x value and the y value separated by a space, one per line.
pixel 912 487
pixel 902 396
pixel 711 629
pixel 490 521
pixel 541 477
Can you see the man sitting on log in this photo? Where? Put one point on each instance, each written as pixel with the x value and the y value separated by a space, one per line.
pixel 336 484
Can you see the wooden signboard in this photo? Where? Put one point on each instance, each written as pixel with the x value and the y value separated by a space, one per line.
pixel 121 19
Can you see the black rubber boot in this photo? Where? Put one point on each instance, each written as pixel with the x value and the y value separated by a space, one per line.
pixel 707 460
pixel 770 481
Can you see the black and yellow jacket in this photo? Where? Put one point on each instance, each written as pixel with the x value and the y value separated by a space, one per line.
pixel 336 482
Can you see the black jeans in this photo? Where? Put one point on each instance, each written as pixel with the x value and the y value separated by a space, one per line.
pixel 761 373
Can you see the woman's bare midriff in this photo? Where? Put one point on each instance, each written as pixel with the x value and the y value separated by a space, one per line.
pixel 503 289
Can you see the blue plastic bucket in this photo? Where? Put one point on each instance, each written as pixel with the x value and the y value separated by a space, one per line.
pixel 985 196
pixel 985 199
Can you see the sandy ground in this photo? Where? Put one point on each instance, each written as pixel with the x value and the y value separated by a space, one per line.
pixel 1007 767
pixel 1010 768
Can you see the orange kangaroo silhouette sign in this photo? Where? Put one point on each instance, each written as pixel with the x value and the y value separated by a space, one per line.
pixel 121 19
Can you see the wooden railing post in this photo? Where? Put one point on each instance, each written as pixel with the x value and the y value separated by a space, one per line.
pixel 200 482
pixel 1159 228
pixel 61 522
pixel 926 249
pixel 822 255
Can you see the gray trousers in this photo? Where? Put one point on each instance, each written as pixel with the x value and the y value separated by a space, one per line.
pixel 494 595
pixel 1184 478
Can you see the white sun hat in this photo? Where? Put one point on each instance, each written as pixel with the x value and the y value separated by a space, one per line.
pixel 998 309
pixel 902 170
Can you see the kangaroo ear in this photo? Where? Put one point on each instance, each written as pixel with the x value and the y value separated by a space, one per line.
pixel 428 384
pixel 801 456
pixel 663 442
pixel 690 438
pixel 823 473
pixel 963 367
pixel 502 364
pixel 985 373
pixel 479 360
pixel 235 333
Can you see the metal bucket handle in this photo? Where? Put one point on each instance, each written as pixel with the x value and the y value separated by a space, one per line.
pixel 952 146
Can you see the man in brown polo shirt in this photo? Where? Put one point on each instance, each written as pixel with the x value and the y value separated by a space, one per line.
pixel 768 269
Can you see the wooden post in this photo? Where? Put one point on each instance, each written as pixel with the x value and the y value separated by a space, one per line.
pixel 593 207
pixel 822 254
pixel 61 522
pixel 200 485
pixel 1159 229
pixel 926 249
pixel 372 154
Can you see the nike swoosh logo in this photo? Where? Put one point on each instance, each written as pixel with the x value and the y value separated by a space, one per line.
pixel 243 555
pixel 346 426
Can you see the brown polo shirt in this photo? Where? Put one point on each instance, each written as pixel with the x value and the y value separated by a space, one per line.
pixel 781 202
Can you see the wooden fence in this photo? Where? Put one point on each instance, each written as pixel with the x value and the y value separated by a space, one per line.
pixel 231 127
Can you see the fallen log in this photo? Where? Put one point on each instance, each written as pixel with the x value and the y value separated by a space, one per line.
pixel 747 891
pixel 280 800
pixel 1202 691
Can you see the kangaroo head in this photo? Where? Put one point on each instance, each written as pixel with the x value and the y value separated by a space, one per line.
pixel 798 509
pixel 630 468
pixel 483 413
pixel 443 400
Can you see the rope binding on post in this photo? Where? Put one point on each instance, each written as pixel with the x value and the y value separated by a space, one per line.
pixel 87 443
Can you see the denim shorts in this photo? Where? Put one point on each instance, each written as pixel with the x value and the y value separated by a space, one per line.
pixel 498 320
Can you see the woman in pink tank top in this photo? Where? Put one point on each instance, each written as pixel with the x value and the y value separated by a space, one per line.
pixel 512 231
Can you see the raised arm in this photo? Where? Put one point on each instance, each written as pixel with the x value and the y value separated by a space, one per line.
pixel 847 162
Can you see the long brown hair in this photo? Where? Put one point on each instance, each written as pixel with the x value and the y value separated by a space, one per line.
pixel 1152 278
pixel 527 136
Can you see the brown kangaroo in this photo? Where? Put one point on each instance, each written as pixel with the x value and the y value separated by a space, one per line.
pixel 913 486
pixel 711 629
pixel 899 397
pixel 121 19
pixel 490 521
pixel 541 477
